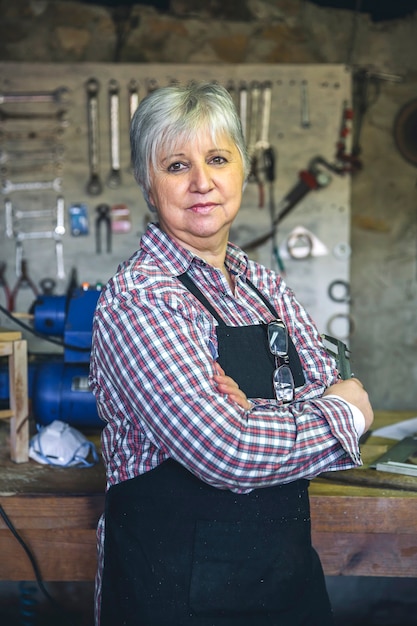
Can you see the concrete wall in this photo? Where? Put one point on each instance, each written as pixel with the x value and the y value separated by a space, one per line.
pixel 383 202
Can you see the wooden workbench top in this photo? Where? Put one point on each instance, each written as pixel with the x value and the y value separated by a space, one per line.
pixel 360 527
pixel 33 478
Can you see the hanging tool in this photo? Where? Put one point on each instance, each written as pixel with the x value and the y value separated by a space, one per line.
pixel 51 135
pixel 24 281
pixel 305 108
pixel 269 169
pixel 243 108
pixel 61 116
pixel 260 115
pixel 103 219
pixel 299 245
pixel 15 221
pixel 313 178
pixel 339 291
pixel 50 154
pixel 133 91
pixel 94 186
pixel 47 286
pixel 114 179
pixel 58 96
pixel 151 85
pixel 34 185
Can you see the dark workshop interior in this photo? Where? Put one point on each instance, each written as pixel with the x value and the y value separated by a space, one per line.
pixel 341 81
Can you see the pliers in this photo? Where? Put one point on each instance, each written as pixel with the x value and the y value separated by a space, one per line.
pixel 103 217
pixel 23 281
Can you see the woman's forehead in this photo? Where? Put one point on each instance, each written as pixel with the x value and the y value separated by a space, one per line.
pixel 204 138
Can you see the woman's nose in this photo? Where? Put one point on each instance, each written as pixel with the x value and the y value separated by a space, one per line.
pixel 200 178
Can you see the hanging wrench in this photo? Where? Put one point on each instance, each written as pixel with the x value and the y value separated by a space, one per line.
pixel 59 252
pixel 151 85
pixel 60 116
pixel 55 185
pixel 9 218
pixel 94 186
pixel 45 134
pixel 243 107
pixel 58 96
pixel 133 90
pixel 255 93
pixel 305 109
pixel 53 154
pixel 114 178
pixel 266 96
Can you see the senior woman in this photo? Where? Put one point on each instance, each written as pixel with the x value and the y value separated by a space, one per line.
pixel 219 399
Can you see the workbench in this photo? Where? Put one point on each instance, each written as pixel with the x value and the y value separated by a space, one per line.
pixel 364 522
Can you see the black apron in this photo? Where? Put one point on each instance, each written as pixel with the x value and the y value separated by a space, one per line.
pixel 179 552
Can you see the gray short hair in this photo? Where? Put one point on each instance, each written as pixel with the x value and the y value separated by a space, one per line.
pixel 177 112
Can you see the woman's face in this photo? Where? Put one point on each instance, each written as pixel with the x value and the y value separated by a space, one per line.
pixel 196 188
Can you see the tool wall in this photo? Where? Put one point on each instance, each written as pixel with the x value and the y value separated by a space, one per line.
pixel 71 209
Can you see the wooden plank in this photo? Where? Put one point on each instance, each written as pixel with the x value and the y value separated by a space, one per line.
pixel 9 335
pixel 53 513
pixel 6 349
pixel 18 383
pixel 59 531
pixel 377 515
pixel 367 554
pixel 64 555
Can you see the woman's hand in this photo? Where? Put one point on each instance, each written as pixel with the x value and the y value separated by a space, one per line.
pixel 229 387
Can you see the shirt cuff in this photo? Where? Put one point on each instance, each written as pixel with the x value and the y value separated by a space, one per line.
pixel 358 416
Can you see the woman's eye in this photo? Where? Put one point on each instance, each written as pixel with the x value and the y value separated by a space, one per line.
pixel 218 160
pixel 176 167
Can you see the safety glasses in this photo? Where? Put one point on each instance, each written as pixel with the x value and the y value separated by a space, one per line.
pixel 283 380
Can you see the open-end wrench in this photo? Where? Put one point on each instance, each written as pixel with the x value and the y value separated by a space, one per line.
pixel 59 252
pixel 45 134
pixel 8 209
pixel 243 107
pixel 58 96
pixel 52 154
pixel 25 169
pixel 255 93
pixel 114 178
pixel 151 85
pixel 94 185
pixel 266 97
pixel 60 116
pixel 8 186
pixel 14 216
pixel 133 91
pixel 305 108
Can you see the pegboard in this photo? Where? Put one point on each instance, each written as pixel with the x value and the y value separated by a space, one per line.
pixel 307 114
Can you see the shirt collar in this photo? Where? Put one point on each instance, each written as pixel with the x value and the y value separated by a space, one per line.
pixel 176 260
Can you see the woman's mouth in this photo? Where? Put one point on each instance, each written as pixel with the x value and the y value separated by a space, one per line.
pixel 202 208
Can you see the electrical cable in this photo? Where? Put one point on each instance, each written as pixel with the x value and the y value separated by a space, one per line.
pixel 35 567
pixel 28 328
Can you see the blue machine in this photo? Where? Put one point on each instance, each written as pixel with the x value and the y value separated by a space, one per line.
pixel 60 384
